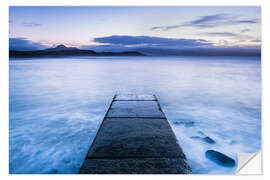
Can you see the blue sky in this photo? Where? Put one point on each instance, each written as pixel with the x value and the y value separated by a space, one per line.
pixel 124 28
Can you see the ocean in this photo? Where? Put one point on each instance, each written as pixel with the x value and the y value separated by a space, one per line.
pixel 57 104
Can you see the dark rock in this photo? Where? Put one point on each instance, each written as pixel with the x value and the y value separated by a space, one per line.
pixel 201 133
pixel 185 123
pixel 54 171
pixel 195 137
pixel 205 139
pixel 209 140
pixel 220 158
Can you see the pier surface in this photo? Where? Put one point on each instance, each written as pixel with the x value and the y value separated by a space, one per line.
pixel 135 138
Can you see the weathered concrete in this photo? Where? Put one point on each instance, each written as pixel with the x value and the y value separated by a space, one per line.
pixel 135 97
pixel 135 166
pixel 135 138
pixel 140 137
pixel 134 109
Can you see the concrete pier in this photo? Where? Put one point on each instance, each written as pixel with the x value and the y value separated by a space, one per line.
pixel 135 138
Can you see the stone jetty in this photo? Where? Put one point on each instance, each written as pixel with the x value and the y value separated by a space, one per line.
pixel 135 137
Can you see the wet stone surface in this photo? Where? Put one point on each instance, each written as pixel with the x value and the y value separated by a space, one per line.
pixel 136 166
pixel 130 109
pixel 135 137
pixel 134 97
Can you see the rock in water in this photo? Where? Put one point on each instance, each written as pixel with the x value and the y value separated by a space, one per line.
pixel 195 137
pixel 185 123
pixel 205 139
pixel 220 158
pixel 209 140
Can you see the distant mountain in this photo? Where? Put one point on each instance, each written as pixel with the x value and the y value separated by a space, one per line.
pixel 62 48
pixel 63 51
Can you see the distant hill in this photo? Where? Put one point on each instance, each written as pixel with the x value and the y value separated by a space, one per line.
pixel 62 48
pixel 63 51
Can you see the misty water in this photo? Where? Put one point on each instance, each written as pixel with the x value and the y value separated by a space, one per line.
pixel 57 105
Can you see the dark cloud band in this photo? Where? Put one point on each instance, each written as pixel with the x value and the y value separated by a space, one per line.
pixel 150 45
pixel 210 21
pixel 24 44
pixel 170 46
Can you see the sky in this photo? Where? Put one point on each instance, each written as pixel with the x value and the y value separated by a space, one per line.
pixel 146 29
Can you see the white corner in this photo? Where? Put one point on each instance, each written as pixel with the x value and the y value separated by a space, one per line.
pixel 249 163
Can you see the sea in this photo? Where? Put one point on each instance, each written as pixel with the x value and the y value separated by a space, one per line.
pixel 56 106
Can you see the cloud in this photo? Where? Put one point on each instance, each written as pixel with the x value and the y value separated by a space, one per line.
pixel 30 24
pixel 229 34
pixel 245 30
pixel 256 40
pixel 167 46
pixel 209 21
pixel 246 21
pixel 23 44
pixel 224 34
pixel 138 41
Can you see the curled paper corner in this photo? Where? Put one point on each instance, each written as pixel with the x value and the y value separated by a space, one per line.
pixel 249 163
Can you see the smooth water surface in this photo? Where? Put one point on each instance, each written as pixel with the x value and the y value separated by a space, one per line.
pixel 57 105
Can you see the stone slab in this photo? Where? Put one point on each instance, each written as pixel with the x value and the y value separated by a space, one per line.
pixel 135 137
pixel 135 109
pixel 135 166
pixel 134 97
